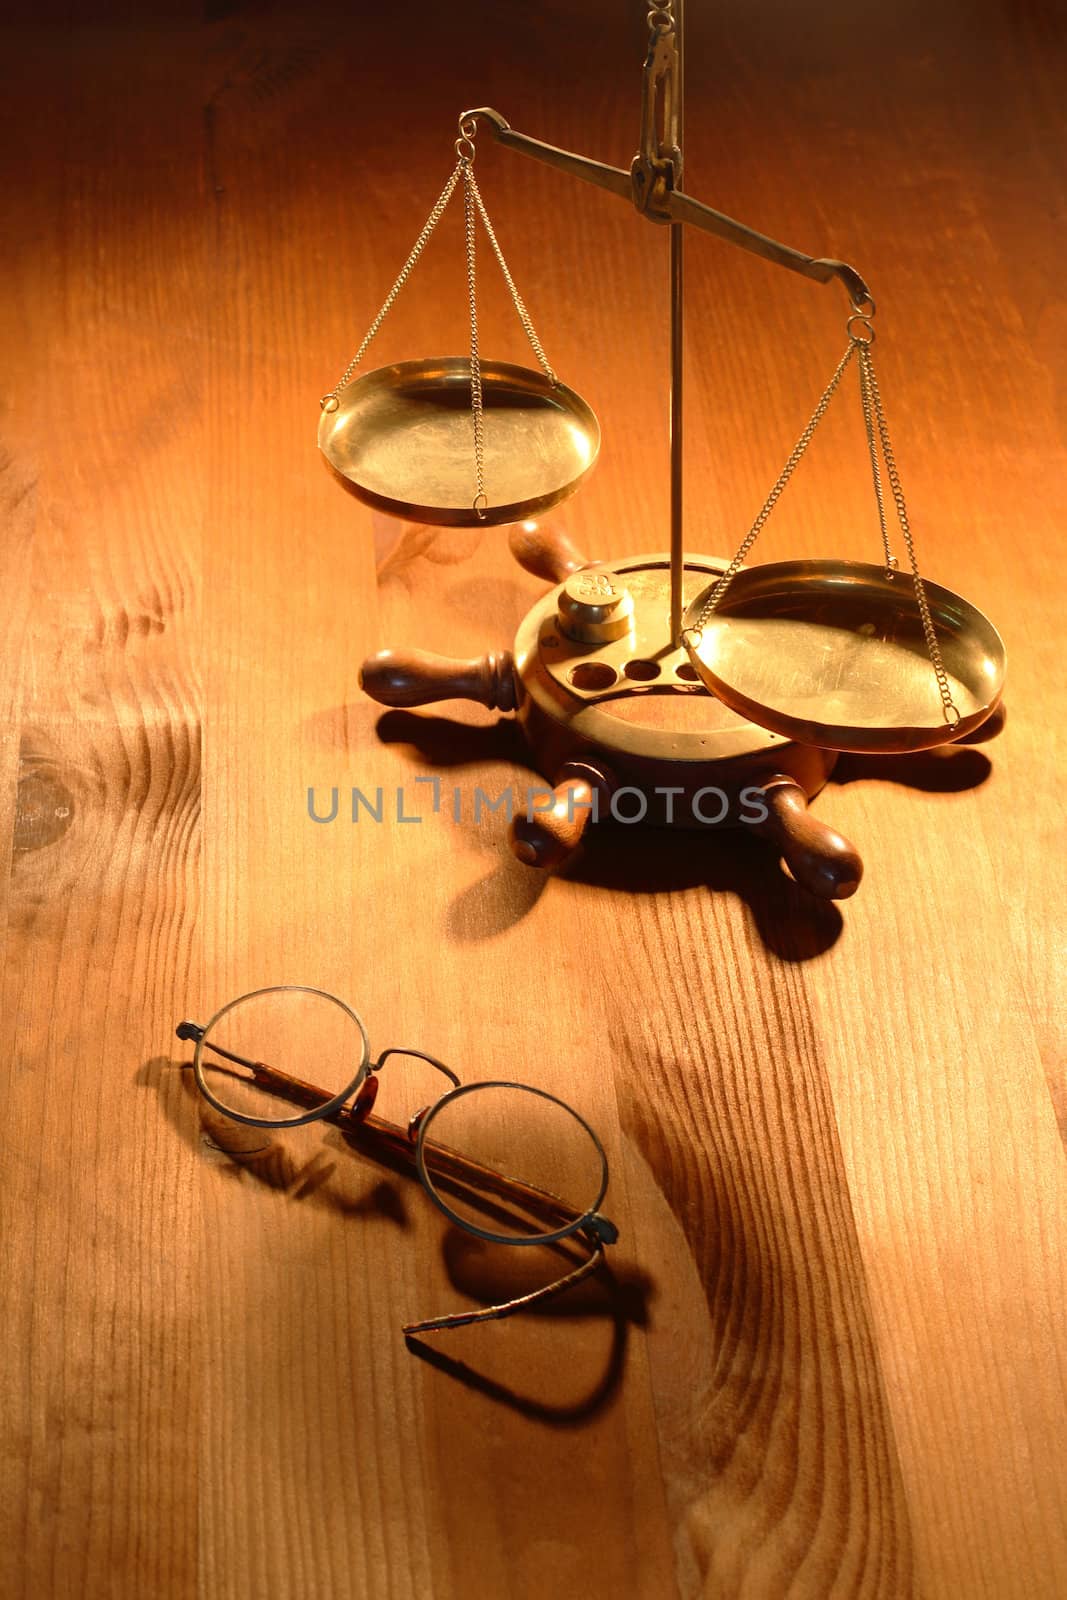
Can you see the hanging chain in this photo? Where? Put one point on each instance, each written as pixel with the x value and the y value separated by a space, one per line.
pixel 470 218
pixel 949 707
pixel 772 499
pixel 405 272
pixel 473 208
pixel 867 403
pixel 877 429
pixel 519 303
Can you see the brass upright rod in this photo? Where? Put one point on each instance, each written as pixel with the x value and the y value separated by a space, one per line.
pixel 677 351
pixel 677 549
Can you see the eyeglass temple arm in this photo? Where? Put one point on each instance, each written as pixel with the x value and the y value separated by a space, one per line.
pixel 674 206
pixel 507 1308
pixel 295 1089
pixel 454 1171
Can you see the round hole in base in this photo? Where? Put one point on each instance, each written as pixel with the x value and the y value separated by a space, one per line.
pixel 687 672
pixel 642 671
pixel 592 675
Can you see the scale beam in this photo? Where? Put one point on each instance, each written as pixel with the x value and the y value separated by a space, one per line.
pixel 676 207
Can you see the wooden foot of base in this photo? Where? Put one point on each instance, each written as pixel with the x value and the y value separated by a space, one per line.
pixel 547 838
pixel 820 859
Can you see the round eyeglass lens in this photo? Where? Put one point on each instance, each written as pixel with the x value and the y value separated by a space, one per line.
pixel 510 1162
pixel 281 1056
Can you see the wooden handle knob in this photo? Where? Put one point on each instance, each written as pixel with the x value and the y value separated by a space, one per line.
pixel 545 838
pixel 546 552
pixel 418 678
pixel 823 861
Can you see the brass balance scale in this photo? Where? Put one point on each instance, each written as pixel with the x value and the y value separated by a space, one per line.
pixel 672 676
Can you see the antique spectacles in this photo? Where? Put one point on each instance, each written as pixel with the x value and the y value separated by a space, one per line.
pixel 497 1158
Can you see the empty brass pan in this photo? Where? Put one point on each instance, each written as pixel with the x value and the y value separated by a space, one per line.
pixel 833 654
pixel 404 436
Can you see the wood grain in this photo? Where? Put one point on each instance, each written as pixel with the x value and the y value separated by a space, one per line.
pixel 830 1360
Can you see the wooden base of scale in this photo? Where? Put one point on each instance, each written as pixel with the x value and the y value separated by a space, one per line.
pixel 606 704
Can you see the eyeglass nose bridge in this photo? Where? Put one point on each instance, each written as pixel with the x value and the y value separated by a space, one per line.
pixel 416 1121
pixel 415 1055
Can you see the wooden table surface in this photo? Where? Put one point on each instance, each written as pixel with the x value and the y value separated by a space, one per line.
pixel 831 1360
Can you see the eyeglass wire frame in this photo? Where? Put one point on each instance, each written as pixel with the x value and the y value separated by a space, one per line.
pixel 594 1229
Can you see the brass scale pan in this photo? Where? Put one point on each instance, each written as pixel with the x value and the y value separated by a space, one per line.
pixel 402 436
pixel 832 653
